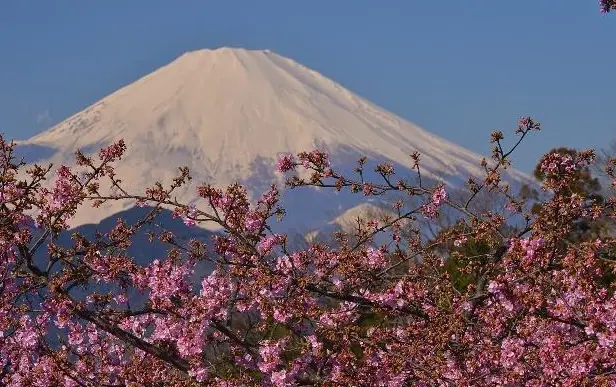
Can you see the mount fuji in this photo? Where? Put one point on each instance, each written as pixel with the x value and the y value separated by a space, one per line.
pixel 228 114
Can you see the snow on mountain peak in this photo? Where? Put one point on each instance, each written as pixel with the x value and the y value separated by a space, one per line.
pixel 228 113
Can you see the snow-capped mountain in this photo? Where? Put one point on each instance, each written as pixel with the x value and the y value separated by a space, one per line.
pixel 227 114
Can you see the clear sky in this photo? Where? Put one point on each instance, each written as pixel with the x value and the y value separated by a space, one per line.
pixel 457 68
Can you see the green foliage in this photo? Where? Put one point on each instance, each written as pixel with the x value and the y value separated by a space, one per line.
pixel 464 262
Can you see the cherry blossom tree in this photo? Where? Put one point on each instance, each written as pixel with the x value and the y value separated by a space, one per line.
pixel 531 309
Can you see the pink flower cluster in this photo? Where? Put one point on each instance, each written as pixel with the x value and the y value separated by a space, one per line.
pixel 191 215
pixel 430 210
pixel 559 168
pixel 113 152
pixel 311 160
pixel 286 163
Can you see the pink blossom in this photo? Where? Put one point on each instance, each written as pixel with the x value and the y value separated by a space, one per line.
pixel 270 353
pixel 113 152
pixel 200 373
pixel 191 214
pixel 279 378
pixel 375 258
pixel 286 162
pixel 460 241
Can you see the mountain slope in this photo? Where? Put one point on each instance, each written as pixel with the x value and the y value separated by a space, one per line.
pixel 228 113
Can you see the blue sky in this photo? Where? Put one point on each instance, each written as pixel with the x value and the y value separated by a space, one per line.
pixel 459 69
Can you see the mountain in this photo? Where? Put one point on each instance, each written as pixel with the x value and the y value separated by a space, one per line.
pixel 227 114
